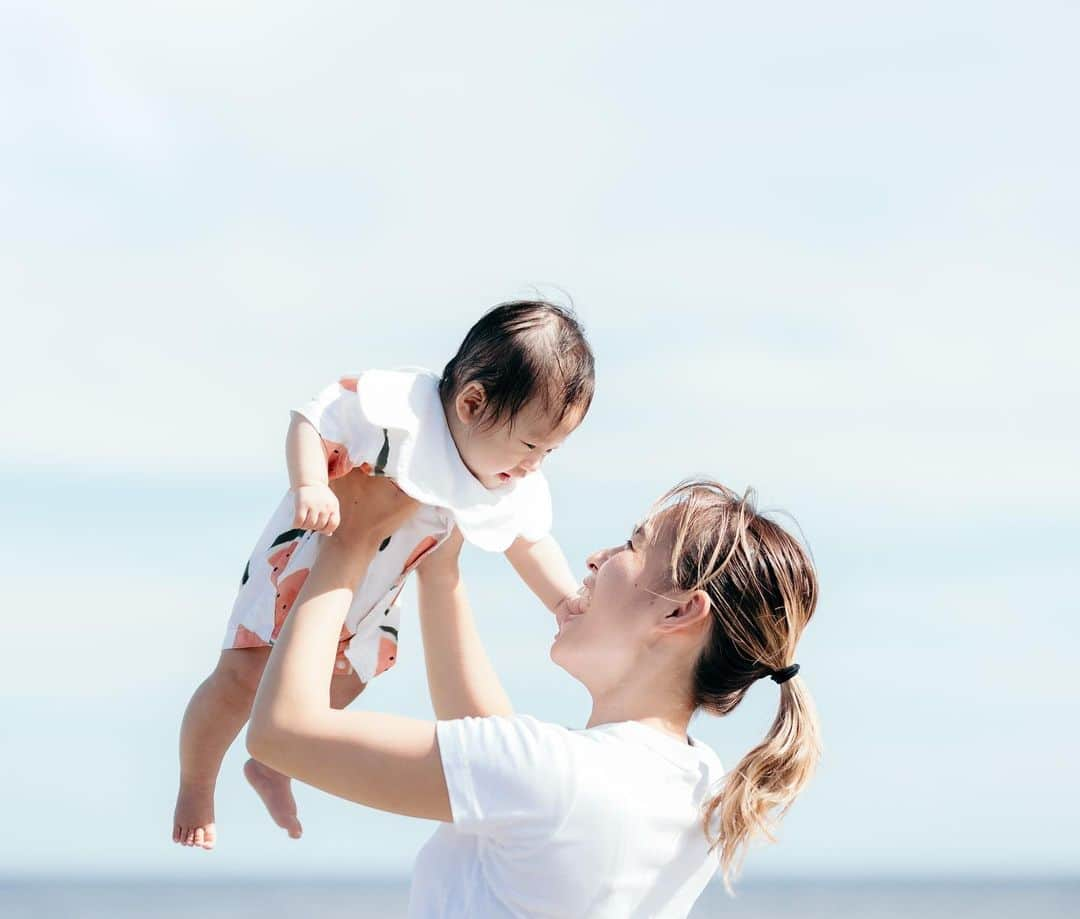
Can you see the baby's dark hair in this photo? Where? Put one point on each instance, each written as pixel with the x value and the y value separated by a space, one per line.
pixel 520 351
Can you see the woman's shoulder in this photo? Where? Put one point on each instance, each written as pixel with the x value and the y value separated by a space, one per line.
pixel 499 766
pixel 526 728
pixel 525 746
pixel 650 743
pixel 539 740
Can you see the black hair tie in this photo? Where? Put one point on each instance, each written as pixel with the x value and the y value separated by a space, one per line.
pixel 784 674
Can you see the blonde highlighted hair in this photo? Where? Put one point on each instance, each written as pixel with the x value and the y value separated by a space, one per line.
pixel 763 589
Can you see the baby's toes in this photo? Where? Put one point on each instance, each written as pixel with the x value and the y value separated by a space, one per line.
pixel 209 836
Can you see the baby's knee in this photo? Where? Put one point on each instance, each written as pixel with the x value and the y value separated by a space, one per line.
pixel 238 671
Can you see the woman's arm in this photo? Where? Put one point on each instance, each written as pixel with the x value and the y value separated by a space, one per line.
pixel 383 761
pixel 461 679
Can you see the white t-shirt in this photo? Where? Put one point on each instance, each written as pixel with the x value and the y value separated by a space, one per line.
pixel 602 822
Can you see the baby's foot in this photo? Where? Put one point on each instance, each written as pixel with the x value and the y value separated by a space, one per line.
pixel 193 821
pixel 276 793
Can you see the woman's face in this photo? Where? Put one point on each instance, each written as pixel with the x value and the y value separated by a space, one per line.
pixel 618 613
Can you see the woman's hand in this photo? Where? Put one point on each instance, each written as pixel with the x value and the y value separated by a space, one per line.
pixel 444 561
pixel 372 508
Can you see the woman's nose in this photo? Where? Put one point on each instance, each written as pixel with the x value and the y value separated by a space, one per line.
pixel 594 561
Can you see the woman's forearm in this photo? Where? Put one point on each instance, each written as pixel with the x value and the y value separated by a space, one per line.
pixel 296 684
pixel 461 678
pixel 382 761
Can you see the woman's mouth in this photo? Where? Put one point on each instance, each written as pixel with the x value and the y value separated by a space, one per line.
pixel 578 603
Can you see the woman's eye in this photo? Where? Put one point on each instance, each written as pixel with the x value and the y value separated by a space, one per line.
pixel 630 544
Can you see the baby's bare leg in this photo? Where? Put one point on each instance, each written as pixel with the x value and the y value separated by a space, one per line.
pixel 216 713
pixel 274 787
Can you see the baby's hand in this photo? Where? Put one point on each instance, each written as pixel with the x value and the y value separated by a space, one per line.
pixel 567 606
pixel 316 509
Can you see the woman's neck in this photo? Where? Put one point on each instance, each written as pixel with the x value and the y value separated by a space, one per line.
pixel 663 713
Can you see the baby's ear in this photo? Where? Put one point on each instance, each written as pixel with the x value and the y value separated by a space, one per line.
pixel 470 403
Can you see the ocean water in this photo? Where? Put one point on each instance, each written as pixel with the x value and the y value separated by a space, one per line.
pixel 45 899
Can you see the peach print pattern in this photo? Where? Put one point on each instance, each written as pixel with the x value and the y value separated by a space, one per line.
pixel 276 572
pixel 388 642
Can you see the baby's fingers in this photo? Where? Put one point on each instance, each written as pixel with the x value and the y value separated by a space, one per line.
pixel 328 521
pixel 305 517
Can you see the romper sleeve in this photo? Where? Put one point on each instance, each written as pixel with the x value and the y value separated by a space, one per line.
pixel 534 507
pixel 349 438
pixel 507 776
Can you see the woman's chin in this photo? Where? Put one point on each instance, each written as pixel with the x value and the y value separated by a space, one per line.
pixel 553 651
pixel 557 652
pixel 563 656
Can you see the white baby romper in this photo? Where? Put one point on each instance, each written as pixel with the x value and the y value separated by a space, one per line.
pixel 382 422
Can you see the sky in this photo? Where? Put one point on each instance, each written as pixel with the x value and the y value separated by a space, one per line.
pixel 826 251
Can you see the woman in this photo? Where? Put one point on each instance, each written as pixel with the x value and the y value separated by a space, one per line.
pixel 619 819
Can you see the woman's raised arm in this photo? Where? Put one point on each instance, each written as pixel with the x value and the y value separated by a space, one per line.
pixel 383 761
pixel 461 679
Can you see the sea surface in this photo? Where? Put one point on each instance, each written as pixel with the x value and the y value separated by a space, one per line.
pixel 44 899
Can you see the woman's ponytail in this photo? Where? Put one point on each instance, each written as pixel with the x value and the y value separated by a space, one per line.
pixel 758 792
pixel 762 591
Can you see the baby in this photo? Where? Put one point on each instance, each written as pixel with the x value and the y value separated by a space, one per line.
pixel 468 446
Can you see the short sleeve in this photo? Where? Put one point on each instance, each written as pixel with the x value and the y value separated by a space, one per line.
pixel 349 438
pixel 507 776
pixel 534 507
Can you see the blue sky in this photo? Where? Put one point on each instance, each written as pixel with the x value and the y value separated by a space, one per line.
pixel 828 252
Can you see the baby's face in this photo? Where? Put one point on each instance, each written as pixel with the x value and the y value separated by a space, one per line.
pixel 498 454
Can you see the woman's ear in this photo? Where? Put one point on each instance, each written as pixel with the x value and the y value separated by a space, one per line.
pixel 469 403
pixel 691 614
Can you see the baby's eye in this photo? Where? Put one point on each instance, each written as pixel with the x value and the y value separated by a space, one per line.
pixel 530 446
